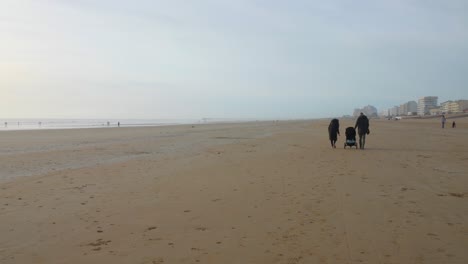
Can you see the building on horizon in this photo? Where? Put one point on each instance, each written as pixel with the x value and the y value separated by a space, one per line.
pixel 462 106
pixel 452 107
pixel 436 111
pixel 384 113
pixel 368 110
pixel 445 106
pixel 426 103
pixel 394 111
pixel 409 108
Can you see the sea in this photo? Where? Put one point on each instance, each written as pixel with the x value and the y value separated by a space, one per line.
pixel 34 124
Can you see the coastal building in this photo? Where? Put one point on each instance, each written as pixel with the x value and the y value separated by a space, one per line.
pixel 402 109
pixel 445 106
pixel 426 103
pixel 368 110
pixel 452 107
pixel 435 111
pixel 384 113
pixel 394 111
pixel 463 105
pixel 412 107
pixel 408 108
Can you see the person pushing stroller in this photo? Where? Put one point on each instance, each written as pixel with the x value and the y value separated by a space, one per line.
pixel 362 124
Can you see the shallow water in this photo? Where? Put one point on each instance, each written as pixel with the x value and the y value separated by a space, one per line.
pixel 34 124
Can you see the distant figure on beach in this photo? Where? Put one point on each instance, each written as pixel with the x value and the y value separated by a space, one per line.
pixel 362 124
pixel 333 131
pixel 6 124
pixel 118 124
pixel 454 125
pixel 443 120
pixel 108 123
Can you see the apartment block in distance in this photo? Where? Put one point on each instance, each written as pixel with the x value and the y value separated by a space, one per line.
pixel 408 108
pixel 458 106
pixel 426 103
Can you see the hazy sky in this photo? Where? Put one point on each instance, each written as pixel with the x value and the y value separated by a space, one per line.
pixel 227 58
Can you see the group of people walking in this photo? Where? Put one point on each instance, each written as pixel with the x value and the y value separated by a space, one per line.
pixel 362 125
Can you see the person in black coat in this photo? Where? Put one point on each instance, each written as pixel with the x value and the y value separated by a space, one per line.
pixel 362 124
pixel 333 131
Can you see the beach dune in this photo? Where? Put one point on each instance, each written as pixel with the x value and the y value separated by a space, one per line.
pixel 257 192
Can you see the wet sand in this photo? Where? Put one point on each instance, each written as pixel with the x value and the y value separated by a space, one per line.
pixel 261 192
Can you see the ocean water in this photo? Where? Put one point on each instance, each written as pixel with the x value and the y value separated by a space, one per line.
pixel 33 124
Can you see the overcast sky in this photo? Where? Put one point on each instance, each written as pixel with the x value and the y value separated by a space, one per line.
pixel 227 58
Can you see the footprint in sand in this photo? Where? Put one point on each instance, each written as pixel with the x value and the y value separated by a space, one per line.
pixel 424 156
pixel 459 195
pixel 97 245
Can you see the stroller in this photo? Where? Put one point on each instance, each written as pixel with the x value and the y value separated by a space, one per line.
pixel 350 137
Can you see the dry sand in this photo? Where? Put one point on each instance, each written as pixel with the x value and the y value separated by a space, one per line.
pixel 260 192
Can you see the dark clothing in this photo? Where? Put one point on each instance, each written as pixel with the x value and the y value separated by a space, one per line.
pixel 362 124
pixel 334 129
pixel 362 140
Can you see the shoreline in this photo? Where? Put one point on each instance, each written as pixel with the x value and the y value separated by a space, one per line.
pixel 123 126
pixel 98 123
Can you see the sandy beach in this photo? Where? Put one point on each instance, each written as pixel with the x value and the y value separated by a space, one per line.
pixel 259 192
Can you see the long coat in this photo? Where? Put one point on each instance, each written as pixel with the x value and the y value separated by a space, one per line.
pixel 334 129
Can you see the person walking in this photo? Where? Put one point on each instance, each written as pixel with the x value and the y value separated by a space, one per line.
pixel 443 120
pixel 333 131
pixel 362 124
pixel 454 125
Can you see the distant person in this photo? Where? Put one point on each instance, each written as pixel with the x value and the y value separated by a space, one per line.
pixel 6 124
pixel 443 120
pixel 362 124
pixel 454 125
pixel 333 131
pixel 118 124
